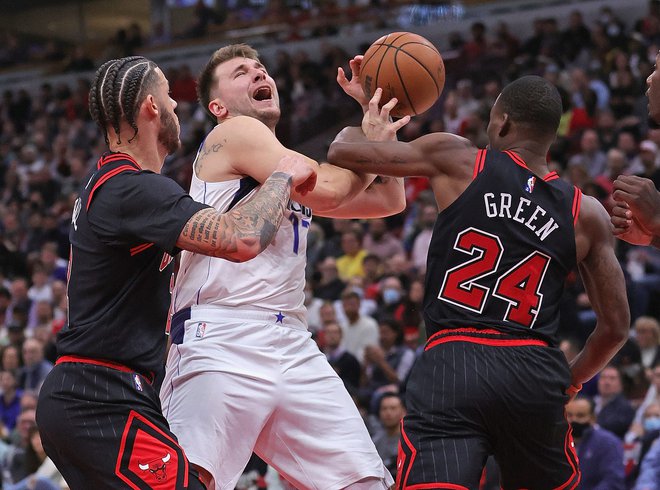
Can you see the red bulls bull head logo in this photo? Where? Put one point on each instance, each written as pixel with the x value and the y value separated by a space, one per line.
pixel 158 467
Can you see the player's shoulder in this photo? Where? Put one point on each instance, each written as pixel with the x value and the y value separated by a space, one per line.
pixel 242 126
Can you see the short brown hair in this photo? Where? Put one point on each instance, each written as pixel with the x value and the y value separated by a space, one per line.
pixel 207 79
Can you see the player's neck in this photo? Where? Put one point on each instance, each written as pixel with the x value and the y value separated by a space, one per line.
pixel 534 155
pixel 148 156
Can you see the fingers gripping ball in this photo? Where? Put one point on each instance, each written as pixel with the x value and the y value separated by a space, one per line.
pixel 406 66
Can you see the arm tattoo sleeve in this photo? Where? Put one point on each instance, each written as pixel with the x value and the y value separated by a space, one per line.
pixel 246 230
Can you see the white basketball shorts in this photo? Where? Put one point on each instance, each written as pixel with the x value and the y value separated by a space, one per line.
pixel 244 381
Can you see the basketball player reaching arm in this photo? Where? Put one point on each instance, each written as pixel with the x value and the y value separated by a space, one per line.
pixel 636 213
pixel 499 293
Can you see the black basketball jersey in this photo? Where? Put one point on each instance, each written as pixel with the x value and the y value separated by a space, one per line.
pixel 124 228
pixel 501 252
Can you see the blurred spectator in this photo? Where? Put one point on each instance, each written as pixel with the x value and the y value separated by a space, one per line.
pixel 379 241
pixel 613 411
pixel 391 297
pixel 591 156
pixel 79 61
pixel 346 364
pixel 386 437
pixel 388 363
pixel 359 331
pixel 329 286
pixel 647 336
pixel 649 476
pixel 10 404
pixel 422 241
pixel 42 473
pixel 350 263
pixel 35 367
pixel 14 467
pixel 599 451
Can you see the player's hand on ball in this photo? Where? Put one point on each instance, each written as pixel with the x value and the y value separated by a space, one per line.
pixel 303 175
pixel 352 87
pixel 376 123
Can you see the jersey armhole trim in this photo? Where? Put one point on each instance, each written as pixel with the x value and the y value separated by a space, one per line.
pixel 102 180
pixel 479 163
pixel 577 201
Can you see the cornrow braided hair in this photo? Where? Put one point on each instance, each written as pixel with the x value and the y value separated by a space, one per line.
pixel 118 89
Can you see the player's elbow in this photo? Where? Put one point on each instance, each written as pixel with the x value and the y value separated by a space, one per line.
pixel 338 153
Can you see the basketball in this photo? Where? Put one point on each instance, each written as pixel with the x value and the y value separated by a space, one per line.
pixel 406 66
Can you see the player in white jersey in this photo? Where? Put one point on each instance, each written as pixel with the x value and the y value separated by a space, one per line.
pixel 243 374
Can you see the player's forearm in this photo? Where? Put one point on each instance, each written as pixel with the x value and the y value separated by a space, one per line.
pixel 245 231
pixel 385 196
pixel 337 186
pixel 601 346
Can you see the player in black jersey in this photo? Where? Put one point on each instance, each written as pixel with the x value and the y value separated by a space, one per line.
pixel 99 416
pixel 636 196
pixel 491 379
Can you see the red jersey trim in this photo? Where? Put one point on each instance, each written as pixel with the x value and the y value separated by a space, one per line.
pixel 516 159
pixel 551 176
pixel 113 157
pixel 447 486
pixel 571 456
pixel 479 163
pixel 486 341
pixel 413 455
pixel 100 362
pixel 577 202
pixel 140 248
pixel 112 173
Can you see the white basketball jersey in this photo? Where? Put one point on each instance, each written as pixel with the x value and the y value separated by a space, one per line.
pixel 273 280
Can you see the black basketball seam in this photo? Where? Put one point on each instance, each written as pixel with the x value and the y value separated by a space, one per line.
pixel 382 57
pixel 366 61
pixel 423 66
pixel 405 89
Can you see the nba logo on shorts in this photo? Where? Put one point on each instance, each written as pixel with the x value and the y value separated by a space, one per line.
pixel 201 328
pixel 137 381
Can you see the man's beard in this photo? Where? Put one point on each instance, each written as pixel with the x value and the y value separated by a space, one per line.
pixel 168 136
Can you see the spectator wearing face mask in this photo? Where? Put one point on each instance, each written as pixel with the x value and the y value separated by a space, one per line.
pixel 599 451
pixel 391 297
pixel 640 438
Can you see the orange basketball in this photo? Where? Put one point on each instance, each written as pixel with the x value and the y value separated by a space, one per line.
pixel 406 66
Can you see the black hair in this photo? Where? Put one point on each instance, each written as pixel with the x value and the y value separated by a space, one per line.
pixel 118 89
pixel 533 102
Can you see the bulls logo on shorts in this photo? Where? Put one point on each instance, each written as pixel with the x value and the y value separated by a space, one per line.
pixel 149 458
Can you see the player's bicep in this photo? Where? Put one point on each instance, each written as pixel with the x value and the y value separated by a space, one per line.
pixel 252 149
pixel 599 268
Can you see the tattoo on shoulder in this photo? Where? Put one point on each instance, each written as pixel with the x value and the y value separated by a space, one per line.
pixel 204 152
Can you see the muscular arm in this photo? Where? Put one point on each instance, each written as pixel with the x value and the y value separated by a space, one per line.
pixel 427 156
pixel 242 141
pixel 385 196
pixel 636 215
pixel 605 286
pixel 246 230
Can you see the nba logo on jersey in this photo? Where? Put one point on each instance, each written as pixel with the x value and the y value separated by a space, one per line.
pixel 137 381
pixel 530 184
pixel 201 328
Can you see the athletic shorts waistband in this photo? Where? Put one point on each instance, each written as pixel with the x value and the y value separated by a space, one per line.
pixel 217 315
pixel 483 336
pixel 149 377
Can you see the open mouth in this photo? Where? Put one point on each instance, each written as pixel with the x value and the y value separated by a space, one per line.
pixel 263 93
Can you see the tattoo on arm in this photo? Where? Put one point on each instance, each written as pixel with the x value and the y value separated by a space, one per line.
pixel 203 153
pixel 246 230
pixel 367 160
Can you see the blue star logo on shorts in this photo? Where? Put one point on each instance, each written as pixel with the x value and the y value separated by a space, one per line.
pixel 279 317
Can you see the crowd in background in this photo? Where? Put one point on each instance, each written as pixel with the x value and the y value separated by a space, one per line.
pixel 365 278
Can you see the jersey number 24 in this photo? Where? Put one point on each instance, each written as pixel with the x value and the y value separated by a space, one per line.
pixel 519 286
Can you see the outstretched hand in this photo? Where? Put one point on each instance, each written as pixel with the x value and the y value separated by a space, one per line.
pixel 353 87
pixel 376 123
